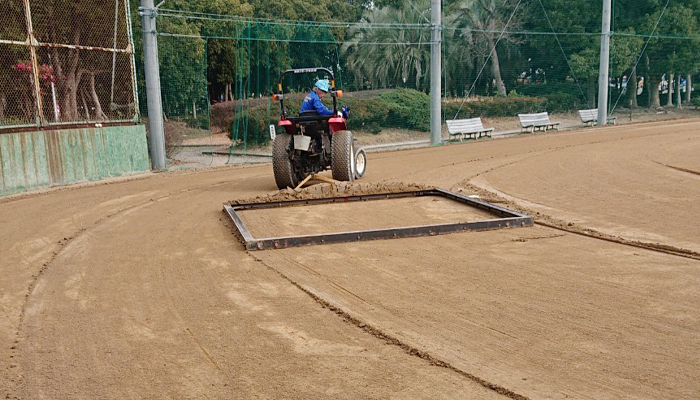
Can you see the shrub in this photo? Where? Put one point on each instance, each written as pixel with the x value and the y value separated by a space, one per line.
pixel 174 135
pixel 562 102
pixel 408 109
pixel 371 111
pixel 561 96
pixel 367 114
pixel 492 107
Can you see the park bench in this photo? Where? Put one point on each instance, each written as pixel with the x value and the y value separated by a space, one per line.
pixel 466 128
pixel 590 117
pixel 533 122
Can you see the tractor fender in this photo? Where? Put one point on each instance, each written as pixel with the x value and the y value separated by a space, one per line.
pixel 287 125
pixel 337 124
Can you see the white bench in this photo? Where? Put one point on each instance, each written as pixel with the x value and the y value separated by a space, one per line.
pixel 533 122
pixel 591 117
pixel 465 128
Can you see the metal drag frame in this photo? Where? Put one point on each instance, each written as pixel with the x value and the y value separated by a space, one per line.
pixel 508 219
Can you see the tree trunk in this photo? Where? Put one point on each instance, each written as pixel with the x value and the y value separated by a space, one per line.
pixel 3 101
pixel 648 82
pixel 670 79
pixel 632 89
pixel 69 79
pixel 28 106
pixel 496 69
pixel 99 114
pixel 655 101
pixel 678 92
pixel 689 88
pixel 85 105
pixel 226 87
pixel 591 91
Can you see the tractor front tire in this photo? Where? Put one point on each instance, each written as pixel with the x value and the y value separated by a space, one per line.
pixel 360 163
pixel 342 156
pixel 285 176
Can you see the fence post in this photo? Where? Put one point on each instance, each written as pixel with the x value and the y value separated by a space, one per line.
pixel 604 65
pixel 156 133
pixel 35 64
pixel 436 73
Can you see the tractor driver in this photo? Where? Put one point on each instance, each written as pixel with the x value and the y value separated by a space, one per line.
pixel 312 101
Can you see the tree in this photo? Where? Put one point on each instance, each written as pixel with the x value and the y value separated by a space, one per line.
pixel 78 22
pixel 389 56
pixel 487 20
pixel 184 57
pixel 16 86
pixel 674 54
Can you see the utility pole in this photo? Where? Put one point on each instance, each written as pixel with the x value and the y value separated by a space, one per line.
pixel 435 73
pixel 604 65
pixel 156 133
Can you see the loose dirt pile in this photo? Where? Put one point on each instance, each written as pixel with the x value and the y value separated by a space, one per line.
pixel 327 190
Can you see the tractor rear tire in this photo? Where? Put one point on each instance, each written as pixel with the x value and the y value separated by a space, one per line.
pixel 342 156
pixel 285 176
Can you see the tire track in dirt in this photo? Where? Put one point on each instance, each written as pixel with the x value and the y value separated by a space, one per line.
pixel 64 243
pixel 389 339
pixel 493 195
pixel 529 154
pixel 688 171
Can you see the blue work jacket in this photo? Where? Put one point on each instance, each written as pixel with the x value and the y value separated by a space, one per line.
pixel 312 102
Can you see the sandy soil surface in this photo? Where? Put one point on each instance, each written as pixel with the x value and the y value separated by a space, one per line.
pixel 139 288
pixel 294 221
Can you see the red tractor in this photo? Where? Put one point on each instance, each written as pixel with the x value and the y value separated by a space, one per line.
pixel 312 143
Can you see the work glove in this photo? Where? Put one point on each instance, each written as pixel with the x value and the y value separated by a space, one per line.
pixel 346 111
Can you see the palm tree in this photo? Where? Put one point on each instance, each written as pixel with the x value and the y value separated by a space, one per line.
pixel 386 54
pixel 484 21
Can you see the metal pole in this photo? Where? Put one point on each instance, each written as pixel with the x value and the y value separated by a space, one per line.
pixel 156 133
pixel 33 44
pixel 604 65
pixel 114 53
pixel 436 73
pixel 132 61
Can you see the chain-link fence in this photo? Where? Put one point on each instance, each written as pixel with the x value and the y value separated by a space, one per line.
pixel 66 62
pixel 499 59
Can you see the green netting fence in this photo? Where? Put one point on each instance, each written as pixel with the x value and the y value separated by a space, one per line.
pixel 218 71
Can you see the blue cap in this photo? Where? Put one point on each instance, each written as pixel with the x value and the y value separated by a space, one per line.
pixel 323 85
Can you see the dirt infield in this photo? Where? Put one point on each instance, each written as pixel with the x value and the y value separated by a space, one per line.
pixel 139 289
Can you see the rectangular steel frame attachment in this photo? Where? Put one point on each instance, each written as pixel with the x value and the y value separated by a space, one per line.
pixel 507 219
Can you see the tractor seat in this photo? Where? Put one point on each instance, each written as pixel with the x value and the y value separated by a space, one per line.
pixel 308 117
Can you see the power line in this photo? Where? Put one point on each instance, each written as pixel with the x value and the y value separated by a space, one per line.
pixel 642 53
pixel 419 11
pixel 244 19
pixel 488 58
pixel 374 25
pixel 252 39
pixel 563 52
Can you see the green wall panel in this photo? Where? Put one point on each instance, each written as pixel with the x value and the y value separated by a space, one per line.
pixel 30 160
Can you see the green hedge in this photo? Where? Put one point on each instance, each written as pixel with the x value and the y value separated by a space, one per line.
pixel 373 111
pixel 492 107
pixel 560 96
